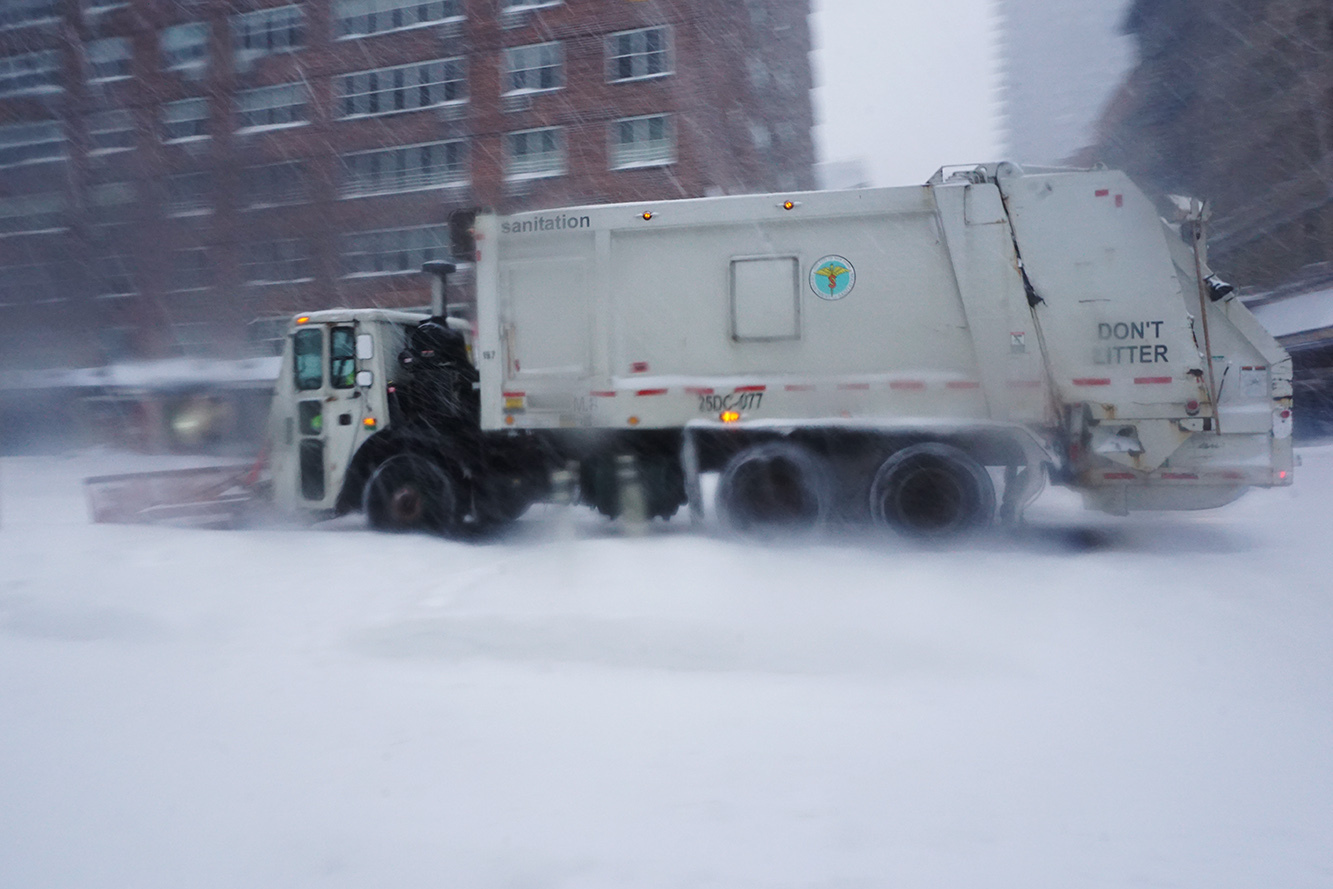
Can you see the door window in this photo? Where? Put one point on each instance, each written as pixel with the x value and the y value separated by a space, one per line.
pixel 311 417
pixel 308 349
pixel 342 357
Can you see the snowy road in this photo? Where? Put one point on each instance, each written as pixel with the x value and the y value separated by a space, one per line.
pixel 1101 703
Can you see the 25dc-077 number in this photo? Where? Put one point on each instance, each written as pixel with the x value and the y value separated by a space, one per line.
pixel 736 401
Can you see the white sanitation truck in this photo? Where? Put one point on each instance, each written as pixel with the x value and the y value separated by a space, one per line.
pixel 890 355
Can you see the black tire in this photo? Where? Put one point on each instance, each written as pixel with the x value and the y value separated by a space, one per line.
pixel 932 490
pixel 409 492
pixel 774 488
pixel 660 479
pixel 501 501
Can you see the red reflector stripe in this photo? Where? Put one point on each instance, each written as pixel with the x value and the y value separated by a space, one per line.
pixel 1102 192
pixel 697 391
pixel 603 395
pixel 1092 381
pixel 962 384
pixel 907 384
pixel 792 387
pixel 515 394
pixel 751 388
pixel 853 386
pixel 639 367
pixel 1151 380
pixel 1189 476
pixel 651 392
pixel 1118 476
pixel 1120 200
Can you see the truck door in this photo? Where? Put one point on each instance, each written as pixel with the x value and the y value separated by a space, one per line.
pixel 327 408
pixel 547 334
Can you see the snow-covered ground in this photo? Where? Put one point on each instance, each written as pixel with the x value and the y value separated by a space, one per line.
pixel 1098 702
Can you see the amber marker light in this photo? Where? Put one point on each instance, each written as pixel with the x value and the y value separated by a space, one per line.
pixel 729 416
pixel 509 421
pixel 633 421
pixel 368 422
pixel 647 215
pixel 789 205
pixel 304 319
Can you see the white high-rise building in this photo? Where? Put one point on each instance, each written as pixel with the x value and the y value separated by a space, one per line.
pixel 1061 62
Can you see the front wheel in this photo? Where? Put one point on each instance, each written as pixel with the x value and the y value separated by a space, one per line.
pixel 932 490
pixel 408 492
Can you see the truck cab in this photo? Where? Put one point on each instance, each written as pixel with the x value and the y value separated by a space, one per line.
pixel 333 394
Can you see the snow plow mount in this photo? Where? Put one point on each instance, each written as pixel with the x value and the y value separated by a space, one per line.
pixel 208 497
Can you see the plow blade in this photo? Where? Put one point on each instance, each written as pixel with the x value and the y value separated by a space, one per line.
pixel 211 497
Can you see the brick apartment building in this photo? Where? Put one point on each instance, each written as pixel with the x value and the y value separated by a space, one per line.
pixel 173 172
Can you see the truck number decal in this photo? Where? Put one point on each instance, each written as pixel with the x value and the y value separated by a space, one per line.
pixel 736 401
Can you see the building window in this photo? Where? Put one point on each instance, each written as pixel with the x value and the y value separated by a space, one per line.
pixel 108 59
pixel 97 7
pixel 111 275
pixel 530 69
pixel 393 251
pixel 110 131
pixel 520 5
pixel 535 154
pixel 761 135
pixel 31 143
pixel 188 194
pixel 405 168
pixel 285 261
pixel 18 13
pixel 29 73
pixel 638 55
pixel 185 120
pixel 359 18
pixel 107 202
pixel 32 214
pixel 185 47
pixel 404 88
pixel 194 337
pixel 190 269
pixel 274 185
pixel 29 284
pixel 642 142
pixel 266 32
pixel 105 196
pixel 270 107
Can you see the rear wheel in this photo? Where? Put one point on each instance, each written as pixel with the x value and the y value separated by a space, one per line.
pixel 776 487
pixel 660 481
pixel 408 492
pixel 932 490
pixel 501 499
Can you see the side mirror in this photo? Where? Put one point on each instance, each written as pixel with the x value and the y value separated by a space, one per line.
pixel 364 379
pixel 365 346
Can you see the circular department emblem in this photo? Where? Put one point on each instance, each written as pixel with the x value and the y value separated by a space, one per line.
pixel 832 277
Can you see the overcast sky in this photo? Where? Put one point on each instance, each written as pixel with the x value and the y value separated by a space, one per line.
pixel 906 86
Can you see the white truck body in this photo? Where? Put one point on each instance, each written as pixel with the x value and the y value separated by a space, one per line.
pixel 885 355
pixel 895 309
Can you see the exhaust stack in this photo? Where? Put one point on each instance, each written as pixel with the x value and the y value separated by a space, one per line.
pixel 440 272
